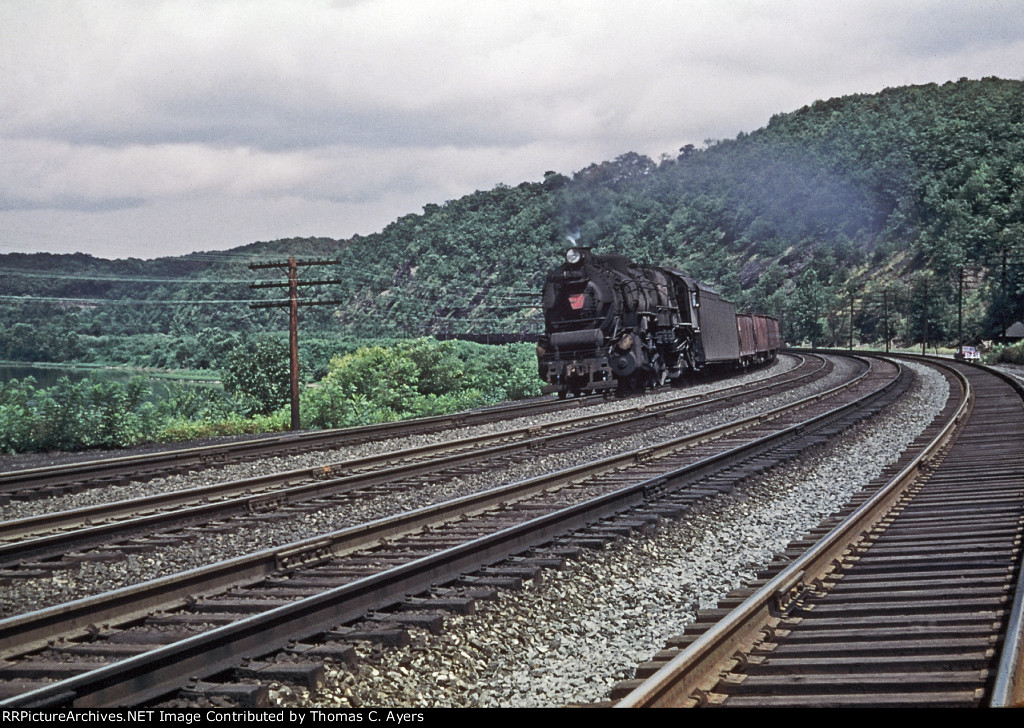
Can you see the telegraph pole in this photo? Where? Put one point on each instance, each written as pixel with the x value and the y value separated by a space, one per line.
pixel 1004 318
pixel 885 315
pixel 293 337
pixel 851 320
pixel 924 320
pixel 293 304
pixel 960 313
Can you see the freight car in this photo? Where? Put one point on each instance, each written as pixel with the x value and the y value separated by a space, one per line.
pixel 612 324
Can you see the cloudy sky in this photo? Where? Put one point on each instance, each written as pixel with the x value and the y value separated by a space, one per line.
pixel 158 128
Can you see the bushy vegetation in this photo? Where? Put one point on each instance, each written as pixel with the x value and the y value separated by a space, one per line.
pixel 256 373
pixel 416 378
pixel 373 384
pixel 75 416
pixel 1012 354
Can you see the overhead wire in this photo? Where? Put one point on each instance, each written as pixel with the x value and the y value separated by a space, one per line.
pixel 491 292
pixel 123 301
pixel 124 279
pixel 492 298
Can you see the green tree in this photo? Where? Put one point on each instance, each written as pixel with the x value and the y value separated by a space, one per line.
pixel 806 310
pixel 257 374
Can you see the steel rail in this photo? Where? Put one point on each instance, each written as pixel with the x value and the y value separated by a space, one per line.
pixel 171 460
pixel 159 671
pixel 251 494
pixel 696 668
pixel 25 632
pixel 288 485
pixel 155 672
pixel 1008 684
pixel 31 478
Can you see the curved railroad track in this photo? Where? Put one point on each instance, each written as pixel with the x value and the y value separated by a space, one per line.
pixel 47 541
pixel 911 597
pixel 85 473
pixel 214 618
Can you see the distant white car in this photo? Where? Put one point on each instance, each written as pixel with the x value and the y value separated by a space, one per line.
pixel 967 353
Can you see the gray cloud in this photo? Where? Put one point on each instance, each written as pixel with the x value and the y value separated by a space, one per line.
pixel 71 203
pixel 274 118
pixel 923 32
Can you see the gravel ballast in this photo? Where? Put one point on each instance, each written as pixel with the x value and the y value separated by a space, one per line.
pixel 201 549
pixel 133 490
pixel 569 638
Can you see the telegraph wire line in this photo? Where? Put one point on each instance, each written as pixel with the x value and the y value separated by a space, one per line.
pixel 122 301
pixel 123 279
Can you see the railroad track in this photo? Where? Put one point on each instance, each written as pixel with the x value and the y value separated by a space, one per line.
pixel 26 544
pixel 312 588
pixel 44 482
pixel 913 597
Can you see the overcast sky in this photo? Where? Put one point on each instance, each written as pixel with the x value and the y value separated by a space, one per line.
pixel 158 128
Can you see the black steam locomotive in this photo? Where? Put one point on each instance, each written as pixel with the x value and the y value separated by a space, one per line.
pixel 611 324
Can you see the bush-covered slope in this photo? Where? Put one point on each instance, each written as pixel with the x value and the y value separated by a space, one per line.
pixel 861 193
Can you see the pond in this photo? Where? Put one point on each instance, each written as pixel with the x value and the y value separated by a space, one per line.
pixel 48 376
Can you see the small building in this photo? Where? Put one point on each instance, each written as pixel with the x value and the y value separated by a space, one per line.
pixel 1015 332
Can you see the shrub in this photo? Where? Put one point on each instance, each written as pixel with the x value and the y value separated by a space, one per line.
pixel 1012 354
pixel 75 416
pixel 418 378
pixel 257 375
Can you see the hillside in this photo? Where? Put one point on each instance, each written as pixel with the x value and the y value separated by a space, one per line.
pixel 883 196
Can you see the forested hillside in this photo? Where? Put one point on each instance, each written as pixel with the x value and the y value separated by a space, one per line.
pixel 889 193
pixel 881 197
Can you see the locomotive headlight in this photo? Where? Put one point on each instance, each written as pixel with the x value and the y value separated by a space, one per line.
pixel 573 256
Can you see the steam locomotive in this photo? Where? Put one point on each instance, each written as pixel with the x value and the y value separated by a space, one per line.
pixel 612 324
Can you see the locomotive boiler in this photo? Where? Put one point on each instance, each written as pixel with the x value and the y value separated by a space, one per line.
pixel 612 324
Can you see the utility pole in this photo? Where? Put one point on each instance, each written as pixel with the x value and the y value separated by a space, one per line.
pixel 1004 318
pixel 293 304
pixel 885 316
pixel 851 320
pixel 924 320
pixel 293 337
pixel 960 313
pixel 908 319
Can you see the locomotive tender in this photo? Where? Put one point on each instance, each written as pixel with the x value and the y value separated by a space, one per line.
pixel 613 324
